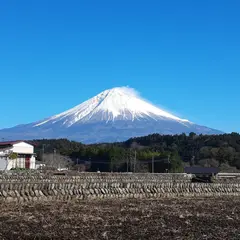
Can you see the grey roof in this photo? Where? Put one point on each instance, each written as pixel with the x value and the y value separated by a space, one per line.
pixel 196 170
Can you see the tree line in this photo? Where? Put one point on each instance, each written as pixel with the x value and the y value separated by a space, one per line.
pixel 158 153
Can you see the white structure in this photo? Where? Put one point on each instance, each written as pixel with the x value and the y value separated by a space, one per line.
pixel 23 151
pixel 39 165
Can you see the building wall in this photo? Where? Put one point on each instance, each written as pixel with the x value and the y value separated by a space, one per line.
pixel 33 162
pixel 3 163
pixel 23 147
pixel 20 162
pixel 11 163
pixel 7 164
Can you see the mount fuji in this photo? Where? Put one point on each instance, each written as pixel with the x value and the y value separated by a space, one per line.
pixel 113 115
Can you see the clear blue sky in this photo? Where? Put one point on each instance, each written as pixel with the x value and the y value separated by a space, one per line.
pixel 182 55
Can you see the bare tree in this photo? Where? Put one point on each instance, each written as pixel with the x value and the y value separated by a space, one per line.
pixel 57 161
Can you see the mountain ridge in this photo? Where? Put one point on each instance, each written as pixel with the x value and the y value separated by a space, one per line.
pixel 112 115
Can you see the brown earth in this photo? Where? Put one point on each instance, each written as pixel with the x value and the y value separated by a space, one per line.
pixel 202 218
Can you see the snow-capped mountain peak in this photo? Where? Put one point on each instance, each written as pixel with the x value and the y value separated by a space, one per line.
pixel 113 115
pixel 120 103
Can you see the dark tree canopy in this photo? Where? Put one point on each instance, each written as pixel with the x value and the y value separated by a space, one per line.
pixel 171 152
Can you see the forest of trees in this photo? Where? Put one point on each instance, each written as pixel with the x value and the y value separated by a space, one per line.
pixel 168 152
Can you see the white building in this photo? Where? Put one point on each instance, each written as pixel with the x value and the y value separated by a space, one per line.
pixel 23 152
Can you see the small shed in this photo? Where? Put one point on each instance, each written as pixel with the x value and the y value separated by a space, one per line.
pixel 201 174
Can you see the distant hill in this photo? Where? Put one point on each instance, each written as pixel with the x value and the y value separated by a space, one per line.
pixel 204 150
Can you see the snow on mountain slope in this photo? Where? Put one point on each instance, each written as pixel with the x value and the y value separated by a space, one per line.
pixel 113 115
pixel 120 103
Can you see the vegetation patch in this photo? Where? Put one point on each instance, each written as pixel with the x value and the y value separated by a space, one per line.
pixel 168 152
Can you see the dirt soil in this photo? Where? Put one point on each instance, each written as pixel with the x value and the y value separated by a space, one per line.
pixel 202 218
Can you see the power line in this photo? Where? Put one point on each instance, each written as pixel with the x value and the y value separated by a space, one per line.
pixel 140 161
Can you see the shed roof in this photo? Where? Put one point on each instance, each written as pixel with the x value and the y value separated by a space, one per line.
pixel 196 170
pixel 10 143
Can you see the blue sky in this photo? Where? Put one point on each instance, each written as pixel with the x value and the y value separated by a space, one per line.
pixel 181 55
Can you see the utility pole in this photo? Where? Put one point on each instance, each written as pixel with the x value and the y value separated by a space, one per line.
pixel 193 160
pixel 127 159
pixel 135 158
pixel 112 159
pixel 77 165
pixel 168 162
pixel 43 149
pixel 153 164
pixel 54 158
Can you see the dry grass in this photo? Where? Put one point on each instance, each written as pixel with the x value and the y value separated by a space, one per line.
pixel 205 218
